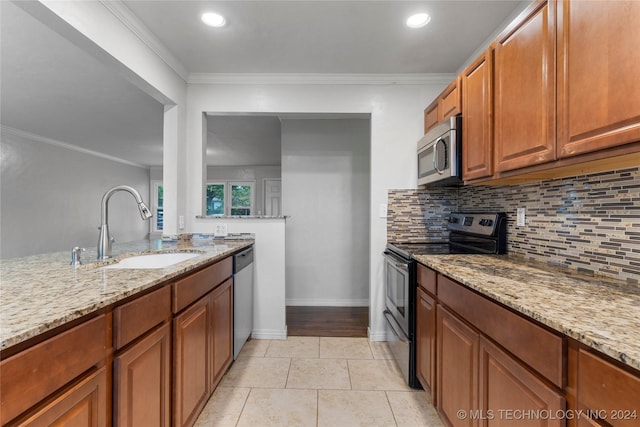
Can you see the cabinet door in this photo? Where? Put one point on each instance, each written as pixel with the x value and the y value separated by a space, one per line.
pixel 191 362
pixel 598 69
pixel 525 88
pixel 431 116
pixel 222 330
pixel 457 372
pixel 477 120
pixel 426 341
pixel 449 101
pixel 142 382
pixel 507 385
pixel 83 405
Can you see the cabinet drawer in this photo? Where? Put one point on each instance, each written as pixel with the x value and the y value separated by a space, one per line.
pixel 192 287
pixel 29 376
pixel 450 101
pixel 427 279
pixel 607 388
pixel 136 317
pixel 537 347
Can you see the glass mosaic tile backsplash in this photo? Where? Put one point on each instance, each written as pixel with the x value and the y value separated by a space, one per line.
pixel 589 223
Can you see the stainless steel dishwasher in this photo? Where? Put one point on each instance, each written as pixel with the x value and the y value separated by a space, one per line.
pixel 242 299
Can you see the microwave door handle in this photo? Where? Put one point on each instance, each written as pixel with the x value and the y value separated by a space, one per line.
pixel 435 155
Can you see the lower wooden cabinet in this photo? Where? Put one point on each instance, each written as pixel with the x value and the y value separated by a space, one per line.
pixel 83 404
pixel 457 373
pixel 142 382
pixel 511 395
pixel 191 353
pixel 221 331
pixel 203 350
pixel 426 341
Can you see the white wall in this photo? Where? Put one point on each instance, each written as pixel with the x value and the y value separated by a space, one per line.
pixel 51 198
pixel 325 191
pixel 269 315
pixel 246 173
pixel 396 125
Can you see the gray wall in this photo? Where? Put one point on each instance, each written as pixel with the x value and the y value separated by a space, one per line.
pixel 326 191
pixel 50 198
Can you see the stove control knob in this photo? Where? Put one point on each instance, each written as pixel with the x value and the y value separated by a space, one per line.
pixel 453 220
pixel 486 222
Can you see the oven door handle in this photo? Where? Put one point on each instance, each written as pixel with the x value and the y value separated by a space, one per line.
pixel 394 327
pixel 394 261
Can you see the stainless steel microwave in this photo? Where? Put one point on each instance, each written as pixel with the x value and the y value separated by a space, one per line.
pixel 439 156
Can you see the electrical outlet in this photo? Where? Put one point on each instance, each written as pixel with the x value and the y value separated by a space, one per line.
pixel 383 210
pixel 520 217
pixel 220 230
pixel 181 222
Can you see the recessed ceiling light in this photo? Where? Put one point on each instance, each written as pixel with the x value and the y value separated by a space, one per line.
pixel 418 20
pixel 213 19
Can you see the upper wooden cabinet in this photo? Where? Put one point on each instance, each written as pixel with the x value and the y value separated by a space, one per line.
pixel 447 104
pixel 477 120
pixel 525 88
pixel 598 75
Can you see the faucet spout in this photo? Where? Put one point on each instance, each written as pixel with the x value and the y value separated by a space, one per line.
pixel 104 239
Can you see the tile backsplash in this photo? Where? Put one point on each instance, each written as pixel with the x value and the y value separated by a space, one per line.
pixel 589 223
pixel 416 216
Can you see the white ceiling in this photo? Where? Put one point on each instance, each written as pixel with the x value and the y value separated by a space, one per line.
pixel 52 88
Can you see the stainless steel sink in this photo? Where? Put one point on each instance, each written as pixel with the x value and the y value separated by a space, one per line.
pixel 161 260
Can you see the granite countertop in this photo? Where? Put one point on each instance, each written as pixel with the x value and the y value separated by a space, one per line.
pixel 41 292
pixel 602 313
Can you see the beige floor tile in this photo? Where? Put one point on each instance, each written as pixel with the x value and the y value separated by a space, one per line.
pixel 254 348
pixel 345 348
pixel 224 407
pixel 300 347
pixel 319 373
pixel 265 372
pixel 380 350
pixel 274 407
pixel 379 374
pixel 413 409
pixel 350 408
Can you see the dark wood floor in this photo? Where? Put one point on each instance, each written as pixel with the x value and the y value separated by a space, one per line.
pixel 327 321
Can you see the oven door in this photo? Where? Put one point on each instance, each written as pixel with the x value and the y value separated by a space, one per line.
pixel 397 290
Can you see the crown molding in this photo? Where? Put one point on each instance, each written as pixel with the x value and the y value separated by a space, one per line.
pixel 37 138
pixel 319 79
pixel 137 27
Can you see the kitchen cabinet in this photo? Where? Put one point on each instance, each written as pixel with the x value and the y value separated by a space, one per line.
pixel 221 331
pixel 84 404
pixel 477 120
pixel 191 362
pixel 202 338
pixel 457 359
pixel 62 371
pixel 598 68
pixel 446 105
pixel 607 391
pixel 506 385
pixel 426 329
pixel 142 371
pixel 525 90
pixel 426 340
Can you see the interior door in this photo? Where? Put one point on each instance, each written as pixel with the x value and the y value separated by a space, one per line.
pixel 272 197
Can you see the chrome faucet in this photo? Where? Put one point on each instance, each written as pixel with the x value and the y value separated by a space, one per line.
pixel 104 240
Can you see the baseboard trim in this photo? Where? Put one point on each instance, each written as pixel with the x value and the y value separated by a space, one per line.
pixel 327 302
pixel 269 334
pixel 377 335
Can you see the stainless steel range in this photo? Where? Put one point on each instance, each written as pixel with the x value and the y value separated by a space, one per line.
pixel 469 233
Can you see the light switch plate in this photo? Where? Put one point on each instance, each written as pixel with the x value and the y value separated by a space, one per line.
pixel 383 210
pixel 181 222
pixel 520 218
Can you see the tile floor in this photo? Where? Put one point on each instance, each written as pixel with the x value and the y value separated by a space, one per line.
pixel 312 381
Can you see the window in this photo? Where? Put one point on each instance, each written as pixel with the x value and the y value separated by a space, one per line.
pixel 230 198
pixel 157 203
